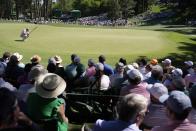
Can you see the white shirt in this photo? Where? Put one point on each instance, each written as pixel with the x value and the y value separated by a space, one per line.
pixel 105 83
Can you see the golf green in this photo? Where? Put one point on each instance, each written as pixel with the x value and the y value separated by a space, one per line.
pixel 47 41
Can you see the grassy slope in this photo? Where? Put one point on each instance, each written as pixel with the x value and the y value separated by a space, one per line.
pixel 88 42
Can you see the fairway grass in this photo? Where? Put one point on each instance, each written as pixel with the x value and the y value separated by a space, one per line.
pixel 48 41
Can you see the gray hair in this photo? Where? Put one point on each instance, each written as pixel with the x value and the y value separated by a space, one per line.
pixel 131 105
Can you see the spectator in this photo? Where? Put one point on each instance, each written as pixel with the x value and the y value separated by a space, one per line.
pixel 156 75
pixel 29 87
pixel 13 71
pixel 156 111
pixel 188 68
pixel 178 84
pixel 19 58
pixel 117 79
pixel 90 71
pixel 11 118
pixel 154 62
pixel 136 85
pixel 46 101
pixel 135 65
pixel 24 78
pixel 192 114
pixel 142 65
pixel 3 83
pixel 80 68
pixel 107 68
pixel 131 111
pixel 5 59
pixel 147 72
pixel 178 106
pixel 59 68
pixel 51 67
pixel 103 81
pixel 35 60
pixel 70 70
pixel 123 60
pixel 190 79
pixel 175 74
pixel 167 66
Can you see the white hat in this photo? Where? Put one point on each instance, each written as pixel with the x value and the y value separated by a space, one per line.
pixel 18 56
pixel 132 74
pixel 50 85
pixel 58 59
pixel 99 66
pixel 128 68
pixel 105 82
pixel 157 90
pixel 2 68
pixel 189 63
pixel 166 61
pixel 135 65
pixel 177 72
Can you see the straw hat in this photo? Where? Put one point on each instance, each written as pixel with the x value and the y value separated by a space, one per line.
pixel 58 59
pixel 18 56
pixel 50 85
pixel 35 59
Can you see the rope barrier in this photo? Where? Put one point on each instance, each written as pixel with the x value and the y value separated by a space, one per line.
pixel 93 95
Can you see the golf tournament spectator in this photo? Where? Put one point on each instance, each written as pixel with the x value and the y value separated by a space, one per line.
pixel 178 106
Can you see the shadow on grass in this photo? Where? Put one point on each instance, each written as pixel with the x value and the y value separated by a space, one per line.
pixel 181 30
pixel 188 53
pixel 19 40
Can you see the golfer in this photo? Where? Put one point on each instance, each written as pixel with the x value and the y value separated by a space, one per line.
pixel 25 34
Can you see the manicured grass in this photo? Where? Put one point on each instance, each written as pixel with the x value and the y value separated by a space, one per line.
pixel 47 41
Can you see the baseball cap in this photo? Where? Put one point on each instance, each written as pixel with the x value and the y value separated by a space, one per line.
pixel 166 61
pixel 177 101
pixel 154 61
pixel 77 59
pixel 157 90
pixel 177 72
pixel 99 66
pixel 132 74
pixel 189 63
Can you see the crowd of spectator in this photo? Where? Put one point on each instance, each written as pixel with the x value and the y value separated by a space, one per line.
pixel 152 95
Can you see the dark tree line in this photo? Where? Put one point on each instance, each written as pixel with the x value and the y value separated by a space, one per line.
pixel 114 8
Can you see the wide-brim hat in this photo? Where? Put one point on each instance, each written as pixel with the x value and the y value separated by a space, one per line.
pixel 58 59
pixel 50 85
pixel 35 59
pixel 18 56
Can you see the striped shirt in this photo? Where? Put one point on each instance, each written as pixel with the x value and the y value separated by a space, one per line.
pixel 137 89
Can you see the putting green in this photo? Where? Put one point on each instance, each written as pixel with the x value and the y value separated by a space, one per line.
pixel 47 41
